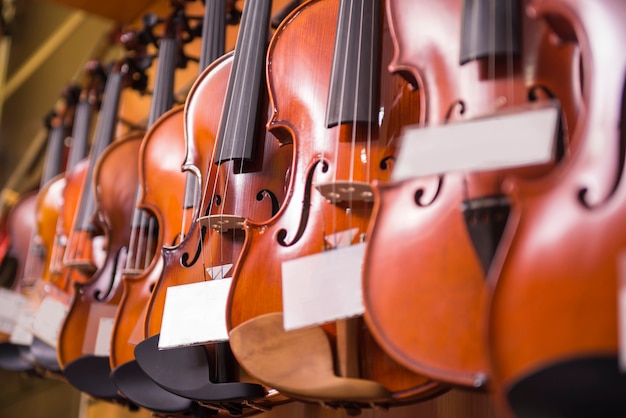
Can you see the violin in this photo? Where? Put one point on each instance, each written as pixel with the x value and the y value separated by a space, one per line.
pixel 21 219
pixel 37 283
pixel 86 232
pixel 18 354
pixel 241 171
pixel 556 284
pixel 160 157
pixel 130 231
pixel 50 197
pixel 343 125
pixel 450 224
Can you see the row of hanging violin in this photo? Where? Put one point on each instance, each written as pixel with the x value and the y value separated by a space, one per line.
pixel 284 176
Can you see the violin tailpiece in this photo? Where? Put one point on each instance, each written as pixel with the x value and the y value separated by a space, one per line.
pixel 486 219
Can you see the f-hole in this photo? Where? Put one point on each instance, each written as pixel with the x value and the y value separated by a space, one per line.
pixel 306 207
pixel 184 259
pixel 583 192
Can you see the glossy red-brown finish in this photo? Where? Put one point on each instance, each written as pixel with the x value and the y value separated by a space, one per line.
pixel 115 181
pixel 299 69
pixel 71 186
pixel 197 160
pixel 21 225
pixel 556 280
pixel 235 192
pixel 420 262
pixel 162 187
pixel 48 218
pixel 76 246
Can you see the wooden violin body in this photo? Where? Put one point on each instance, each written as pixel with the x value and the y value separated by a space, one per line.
pixel 554 307
pixel 162 185
pixel 21 226
pixel 71 186
pixel 97 297
pixel 432 239
pixel 354 153
pixel 181 263
pixel 251 196
pixel 231 189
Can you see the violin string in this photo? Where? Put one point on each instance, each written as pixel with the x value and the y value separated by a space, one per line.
pixel 474 28
pixel 357 100
pixel 250 55
pixel 374 34
pixel 151 244
pixel 342 93
pixel 491 77
pixel 510 64
pixel 509 38
pixel 211 173
pixel 234 79
pixel 237 80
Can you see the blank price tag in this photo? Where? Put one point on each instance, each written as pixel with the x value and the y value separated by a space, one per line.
pixel 195 314
pixel 22 332
pixel 102 346
pixel 21 336
pixel 512 139
pixel 49 319
pixel 323 287
pixel 11 304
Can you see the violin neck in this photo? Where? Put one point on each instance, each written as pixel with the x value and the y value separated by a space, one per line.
pixel 105 130
pixel 163 94
pixel 213 32
pixel 490 29
pixel 80 133
pixel 240 112
pixel 54 154
pixel 353 88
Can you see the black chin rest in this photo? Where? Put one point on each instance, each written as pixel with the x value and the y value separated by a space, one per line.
pixel 15 358
pixel 90 374
pixel 185 371
pixel 45 355
pixel 143 391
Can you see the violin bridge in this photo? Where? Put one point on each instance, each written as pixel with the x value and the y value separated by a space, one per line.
pixel 222 223
pixel 346 191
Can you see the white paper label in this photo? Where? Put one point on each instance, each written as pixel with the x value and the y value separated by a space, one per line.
pixel 195 314
pixel 49 320
pixel 6 325
pixel 23 331
pixel 103 338
pixel 21 336
pixel 508 140
pixel 11 303
pixel 323 287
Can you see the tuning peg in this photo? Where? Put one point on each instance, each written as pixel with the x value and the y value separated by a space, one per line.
pixel 96 71
pixel 133 75
pixel 49 118
pixel 233 14
pixel 71 94
pixel 146 36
